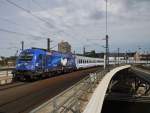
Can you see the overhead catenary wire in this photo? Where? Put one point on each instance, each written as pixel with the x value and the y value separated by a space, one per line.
pixel 18 33
pixel 32 14
pixel 14 23
pixel 70 28
pixel 37 4
pixel 29 12
pixel 20 25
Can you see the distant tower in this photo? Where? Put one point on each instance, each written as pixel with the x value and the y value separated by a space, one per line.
pixel 64 47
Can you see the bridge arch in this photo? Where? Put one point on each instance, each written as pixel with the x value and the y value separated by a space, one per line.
pixel 96 102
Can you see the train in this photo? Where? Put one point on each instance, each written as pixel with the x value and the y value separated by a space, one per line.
pixel 34 63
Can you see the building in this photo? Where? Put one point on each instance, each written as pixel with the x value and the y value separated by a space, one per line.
pixel 142 57
pixel 64 47
pixel 8 61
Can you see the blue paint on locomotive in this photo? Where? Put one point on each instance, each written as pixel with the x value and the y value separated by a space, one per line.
pixel 28 59
pixel 38 60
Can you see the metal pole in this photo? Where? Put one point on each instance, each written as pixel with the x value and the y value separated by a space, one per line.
pixel 84 50
pixel 22 45
pixel 107 45
pixel 104 61
pixel 147 57
pixel 126 57
pixel 107 53
pixel 48 44
pixel 118 56
pixel 74 52
pixel 106 17
pixel 54 106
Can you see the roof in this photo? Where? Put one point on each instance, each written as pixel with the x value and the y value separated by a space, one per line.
pixel 101 55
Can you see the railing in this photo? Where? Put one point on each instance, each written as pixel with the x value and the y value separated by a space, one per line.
pixel 6 75
pixel 74 98
pixel 6 71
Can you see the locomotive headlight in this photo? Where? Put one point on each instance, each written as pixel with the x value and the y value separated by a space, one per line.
pixel 18 65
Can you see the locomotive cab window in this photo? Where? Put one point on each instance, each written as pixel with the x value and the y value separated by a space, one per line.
pixel 26 56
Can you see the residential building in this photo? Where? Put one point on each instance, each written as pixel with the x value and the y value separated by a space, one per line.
pixel 64 47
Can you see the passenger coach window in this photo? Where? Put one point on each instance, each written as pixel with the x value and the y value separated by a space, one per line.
pixel 79 61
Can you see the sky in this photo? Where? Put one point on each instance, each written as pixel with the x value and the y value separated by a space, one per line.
pixel 80 22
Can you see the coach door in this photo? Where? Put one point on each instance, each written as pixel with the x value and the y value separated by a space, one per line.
pixel 42 61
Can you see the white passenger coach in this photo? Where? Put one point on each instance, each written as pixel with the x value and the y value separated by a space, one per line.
pixel 85 62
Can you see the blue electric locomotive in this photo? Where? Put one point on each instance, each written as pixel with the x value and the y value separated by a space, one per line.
pixel 33 63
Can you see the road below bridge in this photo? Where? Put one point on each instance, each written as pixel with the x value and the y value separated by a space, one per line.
pixel 129 92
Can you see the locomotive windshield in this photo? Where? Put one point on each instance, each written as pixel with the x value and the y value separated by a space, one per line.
pixel 26 56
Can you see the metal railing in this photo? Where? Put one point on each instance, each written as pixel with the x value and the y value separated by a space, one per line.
pixel 5 72
pixel 73 99
pixel 6 75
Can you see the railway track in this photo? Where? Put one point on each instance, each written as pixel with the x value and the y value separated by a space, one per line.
pixel 12 85
pixel 25 97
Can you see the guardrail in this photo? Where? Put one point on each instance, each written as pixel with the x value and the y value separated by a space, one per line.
pixel 6 68
pixel 72 99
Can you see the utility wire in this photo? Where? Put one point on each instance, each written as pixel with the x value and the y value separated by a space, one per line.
pixel 37 4
pixel 14 23
pixel 68 27
pixel 29 12
pixel 54 46
pixel 18 33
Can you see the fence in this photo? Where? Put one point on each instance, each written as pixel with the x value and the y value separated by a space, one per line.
pixel 6 75
pixel 74 99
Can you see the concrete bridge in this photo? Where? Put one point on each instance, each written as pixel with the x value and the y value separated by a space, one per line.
pixel 96 102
